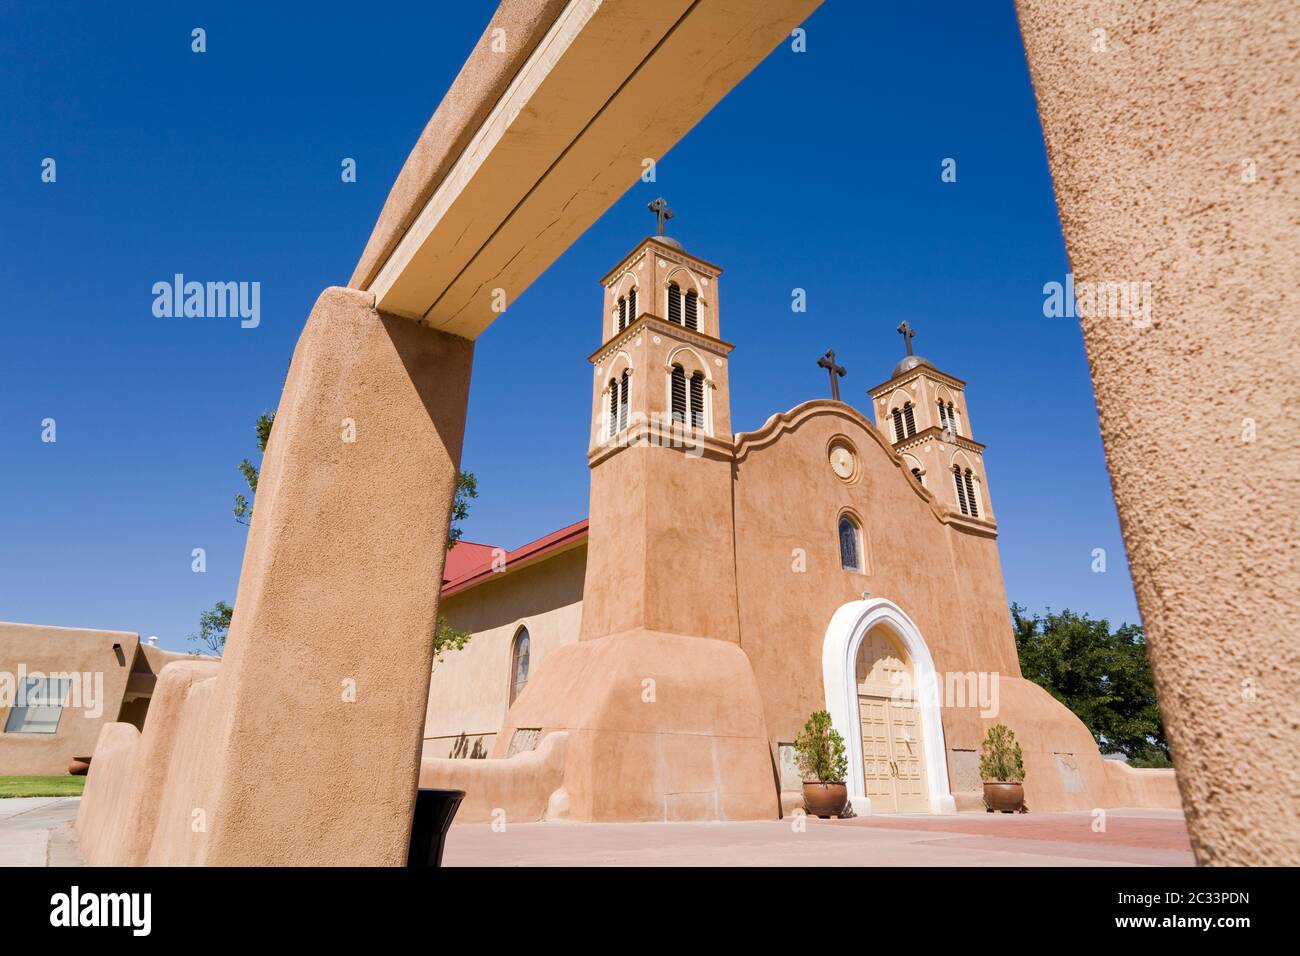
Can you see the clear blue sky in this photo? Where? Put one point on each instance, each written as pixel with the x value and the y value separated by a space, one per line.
pixel 820 171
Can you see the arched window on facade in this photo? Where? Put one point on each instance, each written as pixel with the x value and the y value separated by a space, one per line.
pixel 850 550
pixel 692 310
pixel 679 398
pixel 519 664
pixel 697 400
pixel 674 303
pixel 909 419
pixel 917 473
pixel 631 305
pixel 897 416
pixel 623 397
pixel 622 313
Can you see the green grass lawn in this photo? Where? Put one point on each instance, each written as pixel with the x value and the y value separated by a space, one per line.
pixel 65 786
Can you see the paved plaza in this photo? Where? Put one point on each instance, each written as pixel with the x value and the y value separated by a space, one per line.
pixel 37 831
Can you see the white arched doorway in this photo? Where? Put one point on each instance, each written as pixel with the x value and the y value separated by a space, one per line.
pixel 849 625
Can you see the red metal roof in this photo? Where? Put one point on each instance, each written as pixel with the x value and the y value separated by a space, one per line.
pixel 474 565
pixel 464 557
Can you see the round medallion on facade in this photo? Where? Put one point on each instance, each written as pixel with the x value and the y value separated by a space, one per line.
pixel 843 460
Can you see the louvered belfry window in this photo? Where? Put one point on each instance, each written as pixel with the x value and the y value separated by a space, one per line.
pixel 898 424
pixel 909 418
pixel 674 303
pixel 631 305
pixel 692 310
pixel 848 544
pixel 961 489
pixel 624 386
pixel 697 400
pixel 613 407
pixel 679 394
pixel 970 495
pixel 943 415
pixel 917 473
pixel 622 313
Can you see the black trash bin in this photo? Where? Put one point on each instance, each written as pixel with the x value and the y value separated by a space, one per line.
pixel 434 810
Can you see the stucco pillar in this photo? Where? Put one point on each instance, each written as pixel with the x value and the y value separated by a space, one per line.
pixel 320 702
pixel 1171 136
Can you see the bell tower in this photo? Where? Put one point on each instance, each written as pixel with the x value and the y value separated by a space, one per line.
pixel 922 412
pixel 660 545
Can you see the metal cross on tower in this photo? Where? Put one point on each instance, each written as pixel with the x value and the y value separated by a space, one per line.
pixel 906 331
pixel 660 208
pixel 827 362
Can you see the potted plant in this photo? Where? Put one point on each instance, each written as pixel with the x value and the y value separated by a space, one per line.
pixel 820 754
pixel 1003 770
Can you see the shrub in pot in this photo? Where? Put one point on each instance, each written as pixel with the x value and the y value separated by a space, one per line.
pixel 1002 769
pixel 819 751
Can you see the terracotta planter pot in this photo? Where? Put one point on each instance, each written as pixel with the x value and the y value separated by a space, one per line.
pixel 79 766
pixel 1006 797
pixel 825 800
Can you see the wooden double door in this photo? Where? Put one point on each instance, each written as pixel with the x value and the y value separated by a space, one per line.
pixel 893 760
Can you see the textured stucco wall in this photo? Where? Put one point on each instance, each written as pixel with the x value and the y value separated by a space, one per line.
pixel 1172 140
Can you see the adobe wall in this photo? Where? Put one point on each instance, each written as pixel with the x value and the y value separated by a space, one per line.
pixel 52 651
pixel 1172 140
pixel 469 692
pixel 139 773
pixel 661 727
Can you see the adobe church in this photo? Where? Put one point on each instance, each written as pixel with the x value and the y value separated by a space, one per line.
pixel 657 661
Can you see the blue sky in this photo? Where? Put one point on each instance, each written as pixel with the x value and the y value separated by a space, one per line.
pixel 820 171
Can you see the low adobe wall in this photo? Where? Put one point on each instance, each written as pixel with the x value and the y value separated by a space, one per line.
pixel 521 787
pixel 134 775
pixel 1064 769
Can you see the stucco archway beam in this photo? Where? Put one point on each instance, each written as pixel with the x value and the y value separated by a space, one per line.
pixel 605 87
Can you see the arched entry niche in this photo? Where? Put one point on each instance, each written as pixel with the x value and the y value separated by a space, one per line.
pixel 882 619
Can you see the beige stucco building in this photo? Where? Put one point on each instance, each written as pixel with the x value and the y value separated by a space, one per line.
pixel 60 685
pixel 834 558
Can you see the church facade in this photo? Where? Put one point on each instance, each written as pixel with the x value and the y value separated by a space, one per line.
pixel 657 661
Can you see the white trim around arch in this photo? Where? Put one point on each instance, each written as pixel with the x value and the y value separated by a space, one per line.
pixel 844 636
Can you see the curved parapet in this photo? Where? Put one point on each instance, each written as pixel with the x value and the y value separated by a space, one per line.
pixel 520 786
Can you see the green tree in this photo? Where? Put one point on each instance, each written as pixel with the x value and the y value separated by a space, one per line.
pixel 214 624
pixel 243 506
pixel 1100 674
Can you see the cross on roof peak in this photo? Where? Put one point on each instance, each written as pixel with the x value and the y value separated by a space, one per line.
pixel 907 332
pixel 660 208
pixel 827 362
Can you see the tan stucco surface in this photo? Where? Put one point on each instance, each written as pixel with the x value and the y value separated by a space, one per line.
pixel 1152 143
pixel 491 65
pixel 660 727
pixel 73 652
